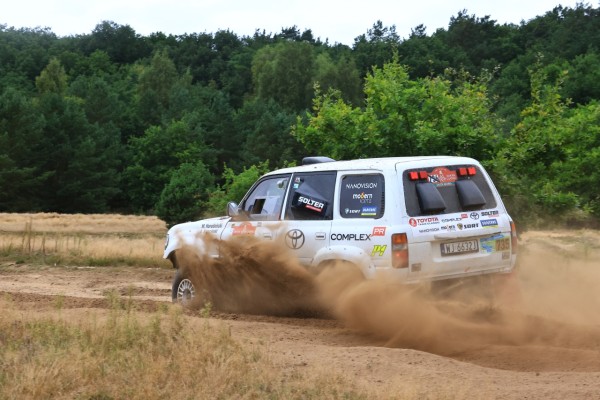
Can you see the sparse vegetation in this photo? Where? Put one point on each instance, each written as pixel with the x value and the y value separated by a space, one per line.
pixel 123 353
pixel 60 346
pixel 59 239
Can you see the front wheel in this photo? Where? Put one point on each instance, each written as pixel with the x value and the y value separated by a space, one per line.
pixel 183 290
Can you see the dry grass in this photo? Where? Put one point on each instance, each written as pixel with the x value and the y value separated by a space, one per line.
pixel 126 354
pixel 50 238
pixel 81 223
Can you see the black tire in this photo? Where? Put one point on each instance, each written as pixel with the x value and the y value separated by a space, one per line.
pixel 183 290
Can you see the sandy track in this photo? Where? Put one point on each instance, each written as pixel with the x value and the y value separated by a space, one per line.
pixel 548 349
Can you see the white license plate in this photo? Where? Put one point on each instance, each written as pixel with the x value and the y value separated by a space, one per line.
pixel 462 247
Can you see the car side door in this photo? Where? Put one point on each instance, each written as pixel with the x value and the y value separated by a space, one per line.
pixel 260 211
pixel 308 213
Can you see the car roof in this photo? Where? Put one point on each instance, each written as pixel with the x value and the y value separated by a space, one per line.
pixel 374 164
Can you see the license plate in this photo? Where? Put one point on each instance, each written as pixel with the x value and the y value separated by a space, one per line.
pixel 463 247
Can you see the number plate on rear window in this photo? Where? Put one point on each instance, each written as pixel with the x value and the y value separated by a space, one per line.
pixel 463 247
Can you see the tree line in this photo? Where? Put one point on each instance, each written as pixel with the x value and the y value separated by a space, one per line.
pixel 176 125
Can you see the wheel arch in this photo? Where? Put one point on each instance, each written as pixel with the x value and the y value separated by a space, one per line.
pixel 349 254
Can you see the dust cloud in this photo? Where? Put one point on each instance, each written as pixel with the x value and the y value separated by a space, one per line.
pixel 543 317
pixel 251 276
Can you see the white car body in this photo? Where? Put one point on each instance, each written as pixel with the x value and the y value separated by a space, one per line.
pixel 369 212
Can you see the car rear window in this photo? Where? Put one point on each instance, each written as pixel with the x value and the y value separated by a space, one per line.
pixel 446 189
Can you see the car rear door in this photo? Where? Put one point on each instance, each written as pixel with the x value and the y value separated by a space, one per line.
pixel 458 224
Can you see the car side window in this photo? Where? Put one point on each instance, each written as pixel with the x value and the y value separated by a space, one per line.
pixel 362 196
pixel 265 200
pixel 311 196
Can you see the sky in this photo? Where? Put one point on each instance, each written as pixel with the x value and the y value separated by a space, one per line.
pixel 335 20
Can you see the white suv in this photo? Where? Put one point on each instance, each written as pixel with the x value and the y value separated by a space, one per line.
pixel 406 218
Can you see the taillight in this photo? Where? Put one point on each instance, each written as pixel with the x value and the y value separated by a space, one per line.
pixel 417 175
pixel 399 250
pixel 513 237
pixel 466 171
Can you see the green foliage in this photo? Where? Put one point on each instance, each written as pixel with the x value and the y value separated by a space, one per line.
pixel 284 73
pixel 154 157
pixel 21 133
pixel 234 188
pixel 184 198
pixel 403 117
pixel 102 121
pixel 548 166
pixel 154 88
pixel 262 122
pixel 53 78
pixel 80 159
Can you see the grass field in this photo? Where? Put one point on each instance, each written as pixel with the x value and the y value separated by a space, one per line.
pixel 77 239
pixel 58 344
pixel 123 352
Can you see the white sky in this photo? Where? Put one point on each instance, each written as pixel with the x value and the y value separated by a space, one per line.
pixel 336 20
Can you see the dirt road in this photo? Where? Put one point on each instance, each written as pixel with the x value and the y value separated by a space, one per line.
pixel 545 347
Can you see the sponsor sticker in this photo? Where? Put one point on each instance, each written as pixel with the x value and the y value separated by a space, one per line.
pixel 311 204
pixel 379 250
pixel 245 228
pixel 502 244
pixel 486 223
pixel 369 211
pixel 462 226
pixel 429 230
pixel 361 185
pixel 351 236
pixel 442 176
pixel 444 220
pixel 364 198
pixel 496 243
pixel 297 182
pixel 492 213
pixel 474 215
pixel 423 221
pixel 211 226
pixel 378 231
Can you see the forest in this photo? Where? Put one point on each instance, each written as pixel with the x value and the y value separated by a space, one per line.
pixel 177 125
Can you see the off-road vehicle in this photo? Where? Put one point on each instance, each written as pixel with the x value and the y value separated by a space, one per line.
pixel 405 219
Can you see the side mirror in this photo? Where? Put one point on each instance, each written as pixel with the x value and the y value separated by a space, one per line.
pixel 232 209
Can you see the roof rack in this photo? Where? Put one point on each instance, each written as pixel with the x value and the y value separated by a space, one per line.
pixel 316 160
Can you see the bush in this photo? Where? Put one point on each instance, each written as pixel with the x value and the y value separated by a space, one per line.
pixel 185 197
pixel 234 188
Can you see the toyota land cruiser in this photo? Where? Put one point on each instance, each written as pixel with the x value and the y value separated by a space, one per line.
pixel 405 219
